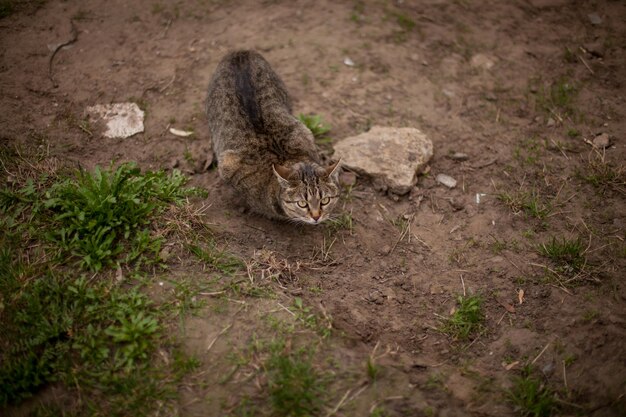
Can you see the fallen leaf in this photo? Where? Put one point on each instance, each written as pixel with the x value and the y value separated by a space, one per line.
pixel 520 295
pixel 511 365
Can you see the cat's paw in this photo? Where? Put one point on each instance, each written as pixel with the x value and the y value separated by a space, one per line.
pixel 229 163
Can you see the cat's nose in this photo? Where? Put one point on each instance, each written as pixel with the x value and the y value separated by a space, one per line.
pixel 315 215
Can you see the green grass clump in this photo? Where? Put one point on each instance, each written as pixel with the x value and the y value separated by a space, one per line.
pixel 343 222
pixel 560 95
pixel 58 328
pixel 296 389
pixel 317 126
pixel 217 258
pixel 467 320
pixel 531 397
pixel 567 254
pixel 527 202
pixel 98 218
pixel 602 175
pixel 94 335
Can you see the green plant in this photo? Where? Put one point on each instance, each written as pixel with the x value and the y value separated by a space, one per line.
pixel 343 222
pixel 98 215
pixel 372 369
pixel 531 397
pixel 603 175
pixel 527 202
pixel 317 126
pixel 467 319
pixel 217 258
pixel 296 389
pixel 323 326
pixel 567 254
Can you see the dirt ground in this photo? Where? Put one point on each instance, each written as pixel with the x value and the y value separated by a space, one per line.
pixel 522 87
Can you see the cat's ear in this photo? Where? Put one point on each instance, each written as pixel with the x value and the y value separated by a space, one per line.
pixel 333 170
pixel 283 174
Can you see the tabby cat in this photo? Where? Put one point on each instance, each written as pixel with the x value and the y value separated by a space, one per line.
pixel 262 150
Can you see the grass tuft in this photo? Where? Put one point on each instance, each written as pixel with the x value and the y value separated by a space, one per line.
pixel 531 397
pixel 467 319
pixel 567 254
pixel 527 202
pixel 602 175
pixel 316 125
pixel 296 389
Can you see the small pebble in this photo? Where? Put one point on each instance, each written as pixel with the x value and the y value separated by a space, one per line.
pixel 551 122
pixel 595 19
pixel 348 62
pixel 459 156
pixel 446 180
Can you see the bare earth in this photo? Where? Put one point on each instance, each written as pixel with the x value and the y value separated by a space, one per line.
pixel 476 78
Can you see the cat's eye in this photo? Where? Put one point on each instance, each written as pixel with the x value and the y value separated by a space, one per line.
pixel 302 203
pixel 325 201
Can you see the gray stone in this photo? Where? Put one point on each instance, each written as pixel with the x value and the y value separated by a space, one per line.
pixel 595 19
pixel 123 120
pixel 446 180
pixel 391 156
pixel 602 141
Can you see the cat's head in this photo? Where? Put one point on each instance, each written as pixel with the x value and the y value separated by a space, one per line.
pixel 308 191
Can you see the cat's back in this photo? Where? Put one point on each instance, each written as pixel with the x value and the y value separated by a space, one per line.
pixel 244 93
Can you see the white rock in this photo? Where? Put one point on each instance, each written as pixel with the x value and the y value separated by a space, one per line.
pixel 446 180
pixel 482 61
pixel 392 156
pixel 122 120
pixel 348 62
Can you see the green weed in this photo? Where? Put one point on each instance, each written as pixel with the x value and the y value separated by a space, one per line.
pixel 529 203
pixel 603 175
pixel 343 222
pixel 560 95
pixel 317 126
pixel 531 397
pixel 323 326
pixel 217 258
pixel 94 336
pixel 96 217
pixel 567 254
pixel 467 320
pixel 372 369
pixel 296 389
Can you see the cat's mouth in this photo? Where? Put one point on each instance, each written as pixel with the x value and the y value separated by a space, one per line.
pixel 312 221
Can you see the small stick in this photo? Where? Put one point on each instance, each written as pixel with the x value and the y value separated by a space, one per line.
pixel 57 49
pixel 212 293
pixel 463 283
pixel 218 335
pixel 339 404
pixel 286 309
pixel 540 353
pixel 565 376
pixel 503 314
pixel 586 65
